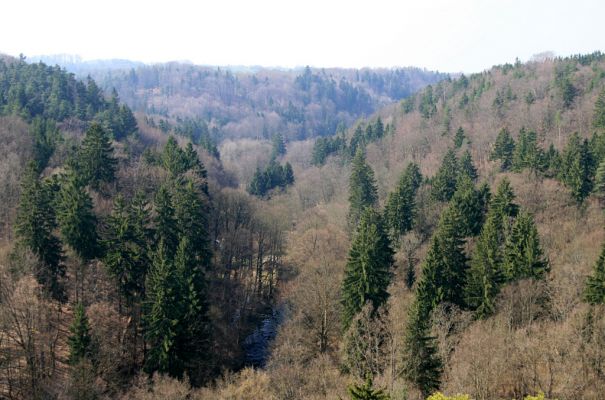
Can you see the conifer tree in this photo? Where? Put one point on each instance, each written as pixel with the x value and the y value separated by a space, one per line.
pixel 76 219
pixel 594 291
pixel 503 202
pixel 278 146
pixel 34 227
pixel 400 209
pixel 471 204
pixel 467 168
pixel 80 340
pixel 577 167
pixel 527 153
pixel 523 255
pixel 599 181
pixel 486 274
pixel 174 159
pixel 162 316
pixel 367 391
pixel 598 119
pixel 96 163
pixel 503 150
pixel 444 182
pixel 368 270
pixel 191 218
pixel 459 138
pixel 422 365
pixel 166 229
pixel 362 188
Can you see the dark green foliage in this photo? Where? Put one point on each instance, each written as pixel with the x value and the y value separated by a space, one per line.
pixel 366 392
pixel 166 229
pixel 410 273
pixel 176 325
pixel 552 162
pixel 400 209
pixel 191 217
pixel 577 167
pixel 126 241
pixel 597 146
pixel 174 159
pixel 368 270
pixel 35 227
pixel 444 182
pixel 471 204
pixel 594 291
pixel 358 141
pixel 197 131
pixel 486 274
pixel 428 103
pixel 362 188
pixel 503 202
pixel 527 152
pixel 598 119
pixel 325 146
pixel 459 138
pixel 96 164
pixel 76 219
pixel 45 137
pixel 80 340
pixel 274 176
pixel 422 364
pixel 467 168
pixel 504 149
pixel 523 255
pixel 599 181
pixel 278 146
pixel 563 82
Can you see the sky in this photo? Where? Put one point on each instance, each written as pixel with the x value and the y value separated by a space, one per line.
pixel 444 35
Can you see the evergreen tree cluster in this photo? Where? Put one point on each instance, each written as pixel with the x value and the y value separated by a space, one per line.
pixel 400 208
pixel 326 146
pixel 273 176
pixel 40 91
pixel 450 173
pixel 372 132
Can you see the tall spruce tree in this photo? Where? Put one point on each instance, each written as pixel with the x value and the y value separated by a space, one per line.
pixel 362 188
pixel 368 270
pixel 459 138
pixel 80 340
pixel 96 163
pixel 467 168
pixel 35 225
pixel 166 228
pixel 278 146
pixel 191 217
pixel 523 255
pixel 472 205
pixel 503 202
pixel 76 219
pixel 599 182
pixel 421 365
pixel 594 291
pixel 503 149
pixel 577 167
pixel 400 209
pixel 444 182
pixel 367 391
pixel 527 153
pixel 598 119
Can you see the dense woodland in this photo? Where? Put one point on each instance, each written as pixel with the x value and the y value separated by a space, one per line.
pixel 450 243
pixel 257 102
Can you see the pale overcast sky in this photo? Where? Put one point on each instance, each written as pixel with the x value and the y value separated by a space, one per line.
pixel 447 35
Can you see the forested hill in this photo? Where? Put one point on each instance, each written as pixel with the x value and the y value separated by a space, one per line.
pixel 257 103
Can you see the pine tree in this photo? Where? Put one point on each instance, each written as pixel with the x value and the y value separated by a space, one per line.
pixel 471 204
pixel 367 392
pixel 163 316
pixel 80 340
pixel 504 149
pixel 422 364
pixel 400 209
pixel 96 164
pixel 599 181
pixel 191 218
pixel 34 227
pixel 76 219
pixel 362 188
pixel 527 153
pixel 523 255
pixel 174 159
pixel 444 182
pixel 467 168
pixel 278 146
pixel 166 229
pixel 598 119
pixel 368 270
pixel 126 243
pixel 594 291
pixel 577 167
pixel 459 138
pixel 503 202
pixel 486 274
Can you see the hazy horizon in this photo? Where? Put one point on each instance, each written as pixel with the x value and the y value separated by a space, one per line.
pixel 464 36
